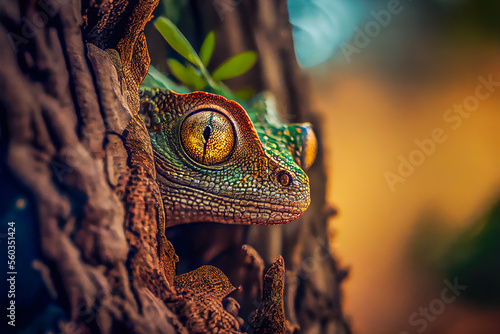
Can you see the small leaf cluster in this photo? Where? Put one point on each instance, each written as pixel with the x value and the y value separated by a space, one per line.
pixel 194 74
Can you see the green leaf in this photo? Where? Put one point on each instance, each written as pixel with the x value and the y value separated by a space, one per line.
pixel 186 74
pixel 177 40
pixel 235 66
pixel 244 94
pixel 156 79
pixel 195 79
pixel 179 71
pixel 207 48
pixel 180 44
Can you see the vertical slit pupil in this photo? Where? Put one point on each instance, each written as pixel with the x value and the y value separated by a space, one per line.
pixel 207 133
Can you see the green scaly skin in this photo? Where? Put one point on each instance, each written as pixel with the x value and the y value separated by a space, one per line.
pixel 261 180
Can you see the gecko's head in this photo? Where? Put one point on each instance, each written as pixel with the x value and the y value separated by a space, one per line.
pixel 213 167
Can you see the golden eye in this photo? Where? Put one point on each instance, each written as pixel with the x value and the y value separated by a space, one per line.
pixel 207 137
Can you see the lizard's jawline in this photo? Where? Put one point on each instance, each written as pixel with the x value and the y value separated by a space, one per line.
pixel 177 215
pixel 176 220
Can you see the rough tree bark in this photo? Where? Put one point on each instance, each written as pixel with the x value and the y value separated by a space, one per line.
pixel 72 139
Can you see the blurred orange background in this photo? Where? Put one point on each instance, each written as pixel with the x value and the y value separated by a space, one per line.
pixel 373 108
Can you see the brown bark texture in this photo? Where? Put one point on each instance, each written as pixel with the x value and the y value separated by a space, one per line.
pixel 73 141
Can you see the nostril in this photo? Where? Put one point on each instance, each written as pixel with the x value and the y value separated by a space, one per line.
pixel 284 178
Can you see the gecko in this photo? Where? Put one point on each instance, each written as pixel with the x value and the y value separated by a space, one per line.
pixel 217 161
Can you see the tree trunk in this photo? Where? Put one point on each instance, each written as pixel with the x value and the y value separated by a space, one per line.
pixel 80 156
